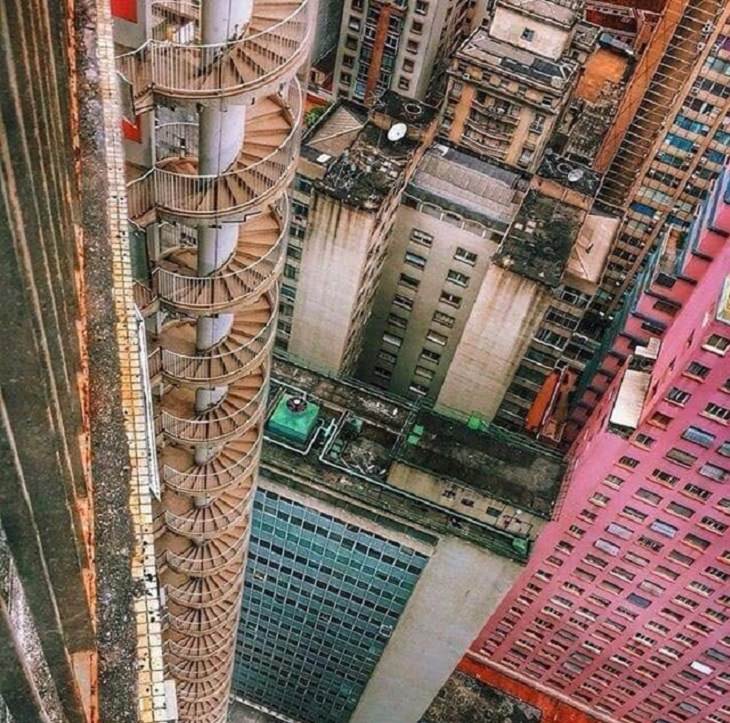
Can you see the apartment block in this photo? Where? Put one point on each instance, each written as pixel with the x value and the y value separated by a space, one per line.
pixel 350 214
pixel 374 518
pixel 669 139
pixel 522 327
pixel 401 45
pixel 510 80
pixel 622 611
pixel 450 221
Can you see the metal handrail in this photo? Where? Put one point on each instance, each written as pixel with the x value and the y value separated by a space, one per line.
pixel 205 598
pixel 244 466
pixel 177 427
pixel 201 367
pixel 179 651
pixel 186 626
pixel 214 291
pixel 198 567
pixel 216 666
pixel 190 524
pixel 183 69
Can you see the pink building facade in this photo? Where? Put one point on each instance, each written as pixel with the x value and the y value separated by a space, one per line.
pixel 624 608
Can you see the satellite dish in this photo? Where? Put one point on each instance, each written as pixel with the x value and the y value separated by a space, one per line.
pixel 575 175
pixel 397 131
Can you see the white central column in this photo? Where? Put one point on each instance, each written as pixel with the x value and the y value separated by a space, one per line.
pixel 221 128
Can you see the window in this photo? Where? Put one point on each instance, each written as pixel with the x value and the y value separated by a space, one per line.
pixel 664 528
pixel 713 471
pixel 408 281
pixel 456 277
pixel 608 547
pixel 431 356
pixel 421 237
pixel 685 459
pixel 648 496
pixel 403 302
pixel 680 510
pixel 437 338
pixel 450 299
pixel 660 420
pixel 630 462
pixel 551 338
pixel 613 481
pixel 528 35
pixel 717 344
pixel 404 83
pixel 644 440
pixel 466 256
pixel 418 389
pixel 415 260
pixel 561 318
pixel 638 600
pixel 619 531
pixel 695 369
pixel 382 372
pixel 423 372
pixel 398 321
pixel 698 436
pixel 678 396
pixel 388 357
pixel 396 341
pixel 718 413
pixel 663 477
pixel 440 318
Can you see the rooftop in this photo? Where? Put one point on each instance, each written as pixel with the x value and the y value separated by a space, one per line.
pixel 363 159
pixel 560 13
pixel 540 239
pixel 490 486
pixel 482 49
pixel 467 185
pixel 569 174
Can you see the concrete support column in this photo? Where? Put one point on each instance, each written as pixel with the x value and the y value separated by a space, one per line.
pixel 215 246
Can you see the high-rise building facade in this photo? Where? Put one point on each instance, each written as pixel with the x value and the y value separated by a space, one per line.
pixel 670 136
pixel 622 613
pixel 218 84
pixel 509 82
pixel 358 169
pixel 401 45
pixel 366 536
pixel 449 223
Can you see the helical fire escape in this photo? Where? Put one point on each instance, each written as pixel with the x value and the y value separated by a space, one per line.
pixel 221 78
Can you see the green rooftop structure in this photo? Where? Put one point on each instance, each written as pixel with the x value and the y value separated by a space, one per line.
pixel 293 419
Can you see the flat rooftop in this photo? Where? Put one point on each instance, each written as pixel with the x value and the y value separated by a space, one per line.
pixel 483 49
pixel 540 240
pixel 558 13
pixel 492 487
pixel 353 145
pixel 468 185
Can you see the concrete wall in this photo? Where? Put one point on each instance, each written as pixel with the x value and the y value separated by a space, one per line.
pixel 447 238
pixel 460 587
pixel 549 40
pixel 332 265
pixel 505 316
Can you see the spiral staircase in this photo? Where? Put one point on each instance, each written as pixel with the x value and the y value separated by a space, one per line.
pixel 218 211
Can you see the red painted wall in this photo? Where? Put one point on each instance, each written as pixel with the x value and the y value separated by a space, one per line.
pixel 553 711
pixel 125 9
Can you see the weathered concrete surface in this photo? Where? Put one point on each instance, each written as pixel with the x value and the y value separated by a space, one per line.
pixel 109 447
pixel 458 590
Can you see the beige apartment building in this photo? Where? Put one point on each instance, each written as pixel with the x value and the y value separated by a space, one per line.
pixel 401 45
pixel 350 215
pixel 450 221
pixel 522 326
pixel 510 80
